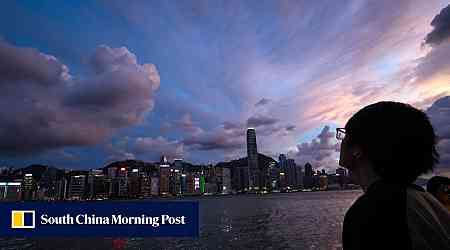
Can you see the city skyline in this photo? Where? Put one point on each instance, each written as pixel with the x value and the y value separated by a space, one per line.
pixel 99 81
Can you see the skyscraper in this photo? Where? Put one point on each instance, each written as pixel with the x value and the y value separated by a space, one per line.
pixel 282 161
pixel 308 177
pixel 252 158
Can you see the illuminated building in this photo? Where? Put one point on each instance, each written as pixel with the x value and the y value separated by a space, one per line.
pixel 77 187
pixel 61 189
pixel 164 175
pixel 10 191
pixel 145 185
pixel 282 161
pixel 96 183
pixel 223 180
pixel 282 181
pixel 134 185
pixel 29 187
pixel 323 182
pixel 154 186
pixel 308 180
pixel 252 159
pixel 122 177
pixel 202 184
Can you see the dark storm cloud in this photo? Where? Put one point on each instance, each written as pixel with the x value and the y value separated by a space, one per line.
pixel 439 114
pixel 261 120
pixel 263 102
pixel 441 27
pixel 43 107
pixel 435 63
pixel 290 127
pixel 28 64
pixel 219 140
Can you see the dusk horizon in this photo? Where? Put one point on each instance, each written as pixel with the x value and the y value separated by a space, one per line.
pixel 85 84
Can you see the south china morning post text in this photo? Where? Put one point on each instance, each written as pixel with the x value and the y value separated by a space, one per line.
pixel 85 219
pixel 101 219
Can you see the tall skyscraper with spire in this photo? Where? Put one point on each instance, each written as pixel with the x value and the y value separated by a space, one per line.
pixel 252 158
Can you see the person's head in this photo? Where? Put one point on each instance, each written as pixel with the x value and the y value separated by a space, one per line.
pixel 395 140
pixel 438 186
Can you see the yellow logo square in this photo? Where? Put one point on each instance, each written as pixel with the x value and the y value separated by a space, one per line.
pixel 22 219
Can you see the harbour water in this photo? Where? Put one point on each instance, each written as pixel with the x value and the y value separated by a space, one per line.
pixel 305 220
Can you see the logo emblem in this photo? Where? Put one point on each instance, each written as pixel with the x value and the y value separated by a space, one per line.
pixel 22 218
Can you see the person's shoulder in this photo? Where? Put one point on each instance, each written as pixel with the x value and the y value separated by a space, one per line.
pixel 380 202
pixel 358 208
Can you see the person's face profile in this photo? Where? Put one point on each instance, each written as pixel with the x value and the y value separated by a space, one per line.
pixel 347 157
pixel 344 156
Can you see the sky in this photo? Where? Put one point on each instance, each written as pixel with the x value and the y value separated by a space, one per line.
pixel 85 83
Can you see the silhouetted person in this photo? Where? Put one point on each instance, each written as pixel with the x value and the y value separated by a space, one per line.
pixel 438 186
pixel 386 146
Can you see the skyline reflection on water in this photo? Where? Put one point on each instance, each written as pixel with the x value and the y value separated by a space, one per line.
pixel 309 220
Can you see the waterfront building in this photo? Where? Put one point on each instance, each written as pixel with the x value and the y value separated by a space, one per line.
pixel 145 185
pixel 252 159
pixel 154 186
pixel 202 184
pixel 291 172
pixel 61 189
pixel 11 191
pixel 282 161
pixel 323 182
pixel 308 181
pixel 77 187
pixel 29 187
pixel 96 184
pixel 134 183
pixel 164 175
pixel 112 172
pixel 226 181
pixel 122 181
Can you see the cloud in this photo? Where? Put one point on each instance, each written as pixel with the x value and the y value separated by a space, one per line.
pixel 262 102
pixel 230 125
pixel 118 150
pixel 144 148
pixel 184 124
pixel 28 64
pixel 441 27
pixel 44 107
pixel 219 139
pixel 187 125
pixel 320 152
pixel 261 120
pixel 153 148
pixel 434 65
pixel 439 114
pixel 290 127
pixel 265 126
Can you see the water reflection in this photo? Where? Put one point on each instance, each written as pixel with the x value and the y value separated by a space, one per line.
pixel 275 221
